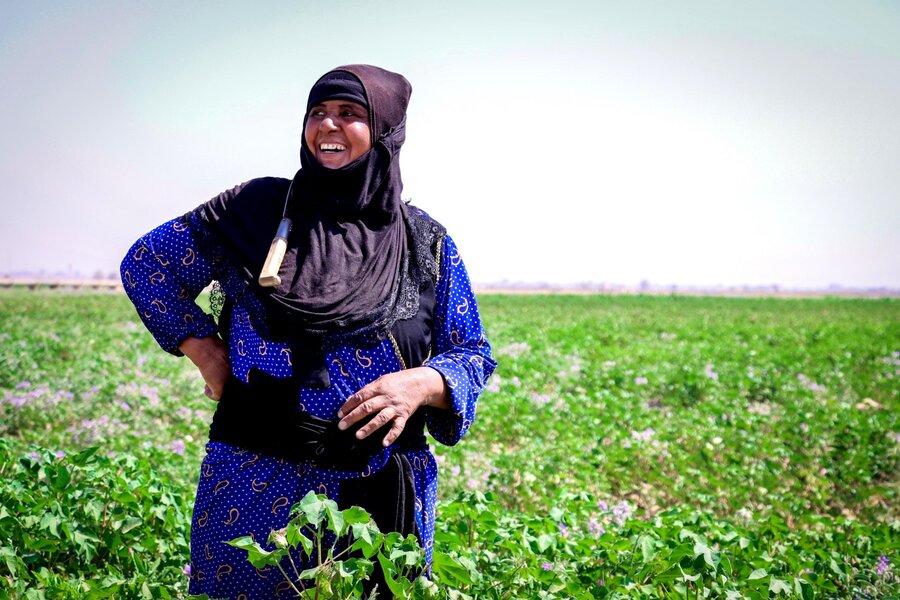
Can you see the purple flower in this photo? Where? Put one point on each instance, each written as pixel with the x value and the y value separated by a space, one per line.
pixel 595 527
pixel 709 372
pixel 59 453
pixel 602 505
pixel 621 512
pixel 187 570
pixel 640 381
pixel 540 399
pixel 884 565
pixel 178 447
pixel 546 566
pixel 455 470
pixel 23 385
pixel 563 530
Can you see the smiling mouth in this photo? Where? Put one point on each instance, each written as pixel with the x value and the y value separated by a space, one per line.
pixel 331 148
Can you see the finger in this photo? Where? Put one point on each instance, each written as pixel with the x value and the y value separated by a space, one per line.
pixel 365 393
pixel 379 421
pixel 396 429
pixel 366 408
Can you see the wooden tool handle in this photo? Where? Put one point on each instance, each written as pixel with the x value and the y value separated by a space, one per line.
pixel 269 275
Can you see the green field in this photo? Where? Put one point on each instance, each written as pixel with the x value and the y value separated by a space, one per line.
pixel 626 447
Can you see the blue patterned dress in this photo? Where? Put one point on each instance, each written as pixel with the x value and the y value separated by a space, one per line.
pixel 243 493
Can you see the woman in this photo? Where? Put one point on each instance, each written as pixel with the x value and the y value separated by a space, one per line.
pixel 326 380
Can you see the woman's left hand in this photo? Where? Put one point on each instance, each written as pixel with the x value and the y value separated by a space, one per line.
pixel 393 398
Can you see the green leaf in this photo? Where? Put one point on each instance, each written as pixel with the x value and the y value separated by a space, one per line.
pixel 335 518
pixel 757 574
pixel 355 514
pixel 451 571
pixel 387 567
pixel 313 506
pixel 648 548
pixel 779 586
pixel 130 523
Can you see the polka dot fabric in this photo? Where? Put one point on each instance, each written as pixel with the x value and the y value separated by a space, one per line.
pixel 241 493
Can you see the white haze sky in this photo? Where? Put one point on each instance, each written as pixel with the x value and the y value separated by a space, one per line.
pixel 680 142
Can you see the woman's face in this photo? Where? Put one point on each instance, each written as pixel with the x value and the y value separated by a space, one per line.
pixel 337 132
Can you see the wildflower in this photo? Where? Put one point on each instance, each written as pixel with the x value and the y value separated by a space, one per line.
pixel 514 350
pixel 23 385
pixel 515 381
pixel 178 447
pixel 602 505
pixel 59 453
pixel 595 527
pixel 546 566
pixel 640 381
pixel 187 570
pixel 804 427
pixel 540 399
pixel 709 372
pixel 455 470
pixel 34 456
pixel 621 512
pixel 563 530
pixel 643 436
pixel 884 565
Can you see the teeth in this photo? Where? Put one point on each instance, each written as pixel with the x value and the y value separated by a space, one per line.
pixel 335 147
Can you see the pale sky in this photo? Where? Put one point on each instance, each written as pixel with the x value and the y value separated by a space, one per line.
pixel 680 142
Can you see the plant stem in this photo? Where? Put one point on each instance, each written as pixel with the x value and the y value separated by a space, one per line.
pixel 288 579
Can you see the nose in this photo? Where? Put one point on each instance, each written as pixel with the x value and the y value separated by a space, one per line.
pixel 327 123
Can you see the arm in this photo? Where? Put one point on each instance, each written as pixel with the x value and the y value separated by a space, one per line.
pixel 449 383
pixel 163 273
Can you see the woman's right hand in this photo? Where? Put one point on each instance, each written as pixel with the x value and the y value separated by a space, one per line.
pixel 210 356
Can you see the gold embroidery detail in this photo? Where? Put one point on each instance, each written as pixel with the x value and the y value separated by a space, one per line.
pixel 140 252
pixel 340 365
pixel 364 361
pixel 322 489
pixel 201 522
pixel 263 570
pixel 283 586
pixel 455 338
pixel 397 350
pixel 161 259
pixel 280 502
pixel 233 515
pixel 129 279
pixel 287 352
pixel 455 259
pixel 179 226
pixel 207 470
pixel 240 348
pixel 209 555
pixel 159 306
pixel 263 348
pixel 223 571
pixel 464 307
pixel 183 294
pixel 188 318
pixel 220 486
pixel 258 487
pixel 189 259
pixel 251 461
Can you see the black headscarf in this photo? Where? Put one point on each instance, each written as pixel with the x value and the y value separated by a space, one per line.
pixel 348 244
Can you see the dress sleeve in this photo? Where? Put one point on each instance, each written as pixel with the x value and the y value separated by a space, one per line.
pixel 163 273
pixel 462 352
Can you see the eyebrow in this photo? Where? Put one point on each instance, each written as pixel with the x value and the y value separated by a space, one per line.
pixel 350 105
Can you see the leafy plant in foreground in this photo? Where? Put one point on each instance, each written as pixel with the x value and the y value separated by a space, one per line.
pixel 343 547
